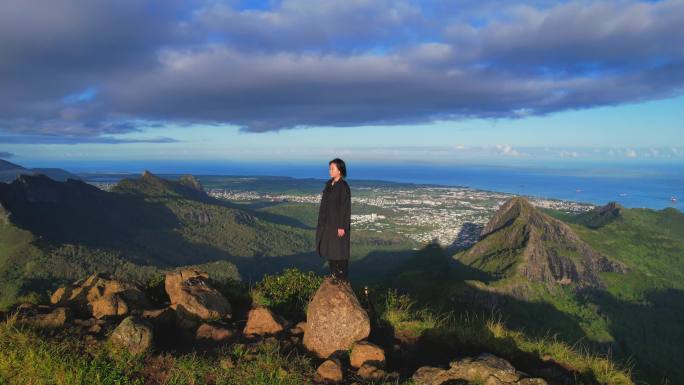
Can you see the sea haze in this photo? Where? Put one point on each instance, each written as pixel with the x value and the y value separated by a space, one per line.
pixel 633 185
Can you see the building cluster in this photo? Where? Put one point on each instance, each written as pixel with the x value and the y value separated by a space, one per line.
pixel 451 216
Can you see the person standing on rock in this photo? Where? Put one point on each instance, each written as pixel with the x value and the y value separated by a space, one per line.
pixel 334 218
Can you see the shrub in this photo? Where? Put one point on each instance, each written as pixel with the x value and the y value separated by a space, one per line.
pixel 287 293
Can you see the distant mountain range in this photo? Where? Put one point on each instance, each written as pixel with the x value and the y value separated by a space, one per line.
pixel 52 232
pixel 10 171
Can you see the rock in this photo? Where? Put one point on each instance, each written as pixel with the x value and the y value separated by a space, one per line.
pixel 369 371
pixel 261 321
pixel 486 369
pixel 298 329
pixel 164 316
pixel 493 380
pixel 59 296
pixel 56 318
pixel 190 291
pixel 92 325
pixel 134 335
pixel 484 366
pixel 365 351
pixel 101 296
pixel 110 305
pixel 211 333
pixel 165 323
pixel 334 319
pixel 95 328
pixel 330 370
pixel 26 308
pixel 531 381
pixel 427 375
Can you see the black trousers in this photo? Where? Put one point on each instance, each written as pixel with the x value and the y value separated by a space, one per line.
pixel 339 269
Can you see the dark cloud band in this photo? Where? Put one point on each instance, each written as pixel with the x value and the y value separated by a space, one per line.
pixel 88 69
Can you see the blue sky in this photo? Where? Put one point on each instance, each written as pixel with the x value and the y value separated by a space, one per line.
pixel 432 81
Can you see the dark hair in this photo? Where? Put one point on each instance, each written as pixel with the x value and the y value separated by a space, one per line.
pixel 339 163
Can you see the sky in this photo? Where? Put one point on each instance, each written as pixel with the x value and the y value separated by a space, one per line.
pixel 431 81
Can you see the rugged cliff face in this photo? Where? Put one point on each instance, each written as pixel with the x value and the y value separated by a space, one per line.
pixel 521 241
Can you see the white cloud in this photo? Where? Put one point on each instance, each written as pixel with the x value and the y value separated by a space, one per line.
pixel 505 149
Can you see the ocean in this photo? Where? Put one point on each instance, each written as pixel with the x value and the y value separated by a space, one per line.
pixel 632 185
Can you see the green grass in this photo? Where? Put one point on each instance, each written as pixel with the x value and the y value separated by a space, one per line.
pixel 481 332
pixel 29 357
pixel 637 317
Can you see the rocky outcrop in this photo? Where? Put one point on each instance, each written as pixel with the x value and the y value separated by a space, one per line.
pixel 261 321
pixel 334 319
pixel 336 324
pixel 485 369
pixel 134 335
pixel 101 296
pixel 190 292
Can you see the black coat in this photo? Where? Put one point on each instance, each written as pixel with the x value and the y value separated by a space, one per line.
pixel 334 213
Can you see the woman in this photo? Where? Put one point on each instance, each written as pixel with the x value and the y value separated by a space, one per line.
pixel 334 218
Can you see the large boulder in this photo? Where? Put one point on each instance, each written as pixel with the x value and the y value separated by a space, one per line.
pixel 484 369
pixel 334 319
pixel 134 335
pixel 261 321
pixel 101 296
pixel 190 292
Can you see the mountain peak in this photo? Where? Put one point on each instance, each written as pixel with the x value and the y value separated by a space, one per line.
pixel 152 185
pixel 520 240
pixel 600 216
pixel 511 210
pixel 189 180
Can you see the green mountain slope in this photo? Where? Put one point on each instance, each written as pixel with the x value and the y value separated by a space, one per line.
pixel 631 310
pixel 524 244
pixel 55 231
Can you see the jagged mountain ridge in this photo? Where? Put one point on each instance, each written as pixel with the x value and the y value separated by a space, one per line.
pixel 154 218
pixel 520 241
pixel 151 185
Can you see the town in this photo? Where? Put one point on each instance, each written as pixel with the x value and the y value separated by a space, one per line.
pixel 450 216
